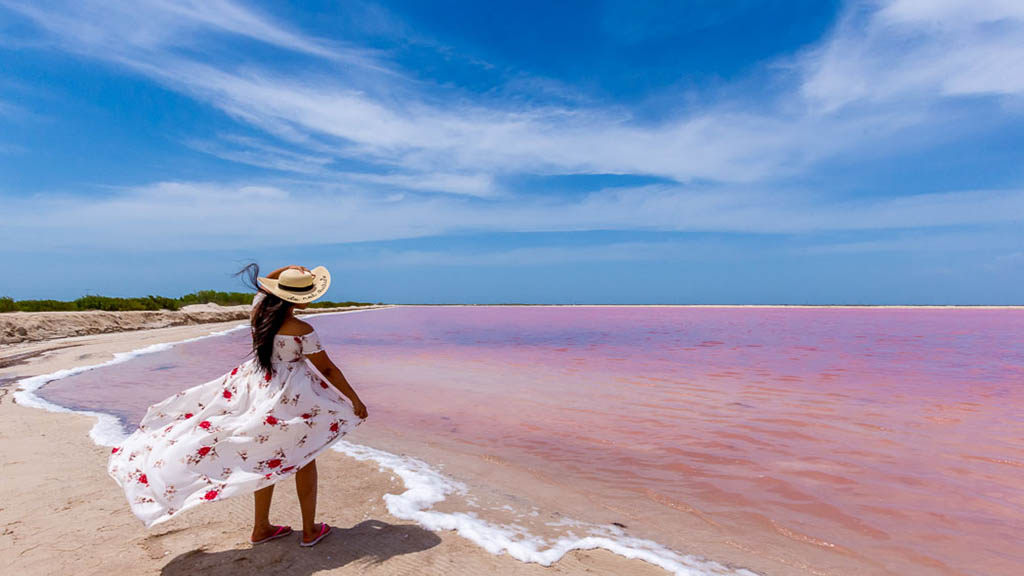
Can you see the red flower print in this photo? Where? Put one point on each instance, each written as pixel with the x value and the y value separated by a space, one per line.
pixel 188 415
pixel 274 463
pixel 268 376
pixel 205 424
pixel 211 494
pixel 227 394
pixel 297 340
pixel 235 371
pixel 286 470
pixel 323 384
pixel 334 427
pixel 143 479
pixel 203 451
pixel 271 420
pixel 114 451
pixel 305 416
pixel 267 476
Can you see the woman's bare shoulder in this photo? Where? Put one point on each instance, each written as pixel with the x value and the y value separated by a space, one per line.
pixel 294 327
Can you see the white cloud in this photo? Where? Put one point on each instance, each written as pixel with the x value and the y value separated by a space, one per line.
pixel 186 215
pixel 113 29
pixel 474 184
pixel 359 106
pixel 918 50
pixel 350 107
pixel 951 13
pixel 466 137
pixel 534 255
pixel 924 241
pixel 255 152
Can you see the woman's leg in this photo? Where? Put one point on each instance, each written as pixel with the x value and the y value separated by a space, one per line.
pixel 261 527
pixel 305 486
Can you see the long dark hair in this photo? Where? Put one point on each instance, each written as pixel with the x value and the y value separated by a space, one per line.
pixel 267 318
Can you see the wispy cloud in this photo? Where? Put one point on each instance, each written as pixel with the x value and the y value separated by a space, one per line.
pixel 999 239
pixel 918 50
pixel 469 184
pixel 214 215
pixel 348 107
pixel 416 135
pixel 113 30
pixel 534 255
pixel 257 152
pixel 360 106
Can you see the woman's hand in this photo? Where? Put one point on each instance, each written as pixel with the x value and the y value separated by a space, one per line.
pixel 359 408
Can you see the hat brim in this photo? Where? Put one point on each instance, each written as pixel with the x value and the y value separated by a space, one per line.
pixel 321 282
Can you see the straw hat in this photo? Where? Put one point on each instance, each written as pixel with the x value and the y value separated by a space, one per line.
pixel 298 286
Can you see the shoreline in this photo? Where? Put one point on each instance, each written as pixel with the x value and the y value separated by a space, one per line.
pixel 51 509
pixel 22 327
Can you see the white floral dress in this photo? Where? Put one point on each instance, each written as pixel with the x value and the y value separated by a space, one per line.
pixel 233 435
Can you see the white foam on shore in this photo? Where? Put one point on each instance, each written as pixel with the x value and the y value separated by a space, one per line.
pixel 108 430
pixel 424 488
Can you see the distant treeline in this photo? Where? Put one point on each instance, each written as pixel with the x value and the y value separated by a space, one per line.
pixel 145 303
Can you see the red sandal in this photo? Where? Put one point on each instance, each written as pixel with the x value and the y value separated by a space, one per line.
pixel 324 531
pixel 281 532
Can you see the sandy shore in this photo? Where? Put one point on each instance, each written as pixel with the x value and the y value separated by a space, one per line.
pixel 60 513
pixel 17 327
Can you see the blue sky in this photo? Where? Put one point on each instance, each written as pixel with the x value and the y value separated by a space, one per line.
pixel 579 152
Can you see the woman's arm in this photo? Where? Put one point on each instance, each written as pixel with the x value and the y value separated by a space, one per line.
pixel 333 374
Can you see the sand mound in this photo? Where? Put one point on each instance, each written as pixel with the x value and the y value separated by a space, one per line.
pixel 18 327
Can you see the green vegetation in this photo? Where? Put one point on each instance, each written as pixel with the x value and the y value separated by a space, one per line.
pixel 145 303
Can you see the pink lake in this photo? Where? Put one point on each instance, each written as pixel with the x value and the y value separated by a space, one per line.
pixel 821 440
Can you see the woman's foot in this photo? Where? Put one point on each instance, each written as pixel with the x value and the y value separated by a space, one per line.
pixel 311 538
pixel 261 534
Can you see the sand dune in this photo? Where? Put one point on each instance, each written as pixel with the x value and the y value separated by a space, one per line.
pixel 18 327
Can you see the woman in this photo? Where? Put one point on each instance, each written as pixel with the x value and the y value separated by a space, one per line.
pixel 243 432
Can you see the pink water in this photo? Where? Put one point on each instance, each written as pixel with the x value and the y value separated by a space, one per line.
pixel 817 441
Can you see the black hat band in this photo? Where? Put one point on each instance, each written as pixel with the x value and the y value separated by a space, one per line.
pixel 295 288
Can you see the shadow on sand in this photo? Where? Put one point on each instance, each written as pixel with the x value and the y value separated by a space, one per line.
pixel 369 542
